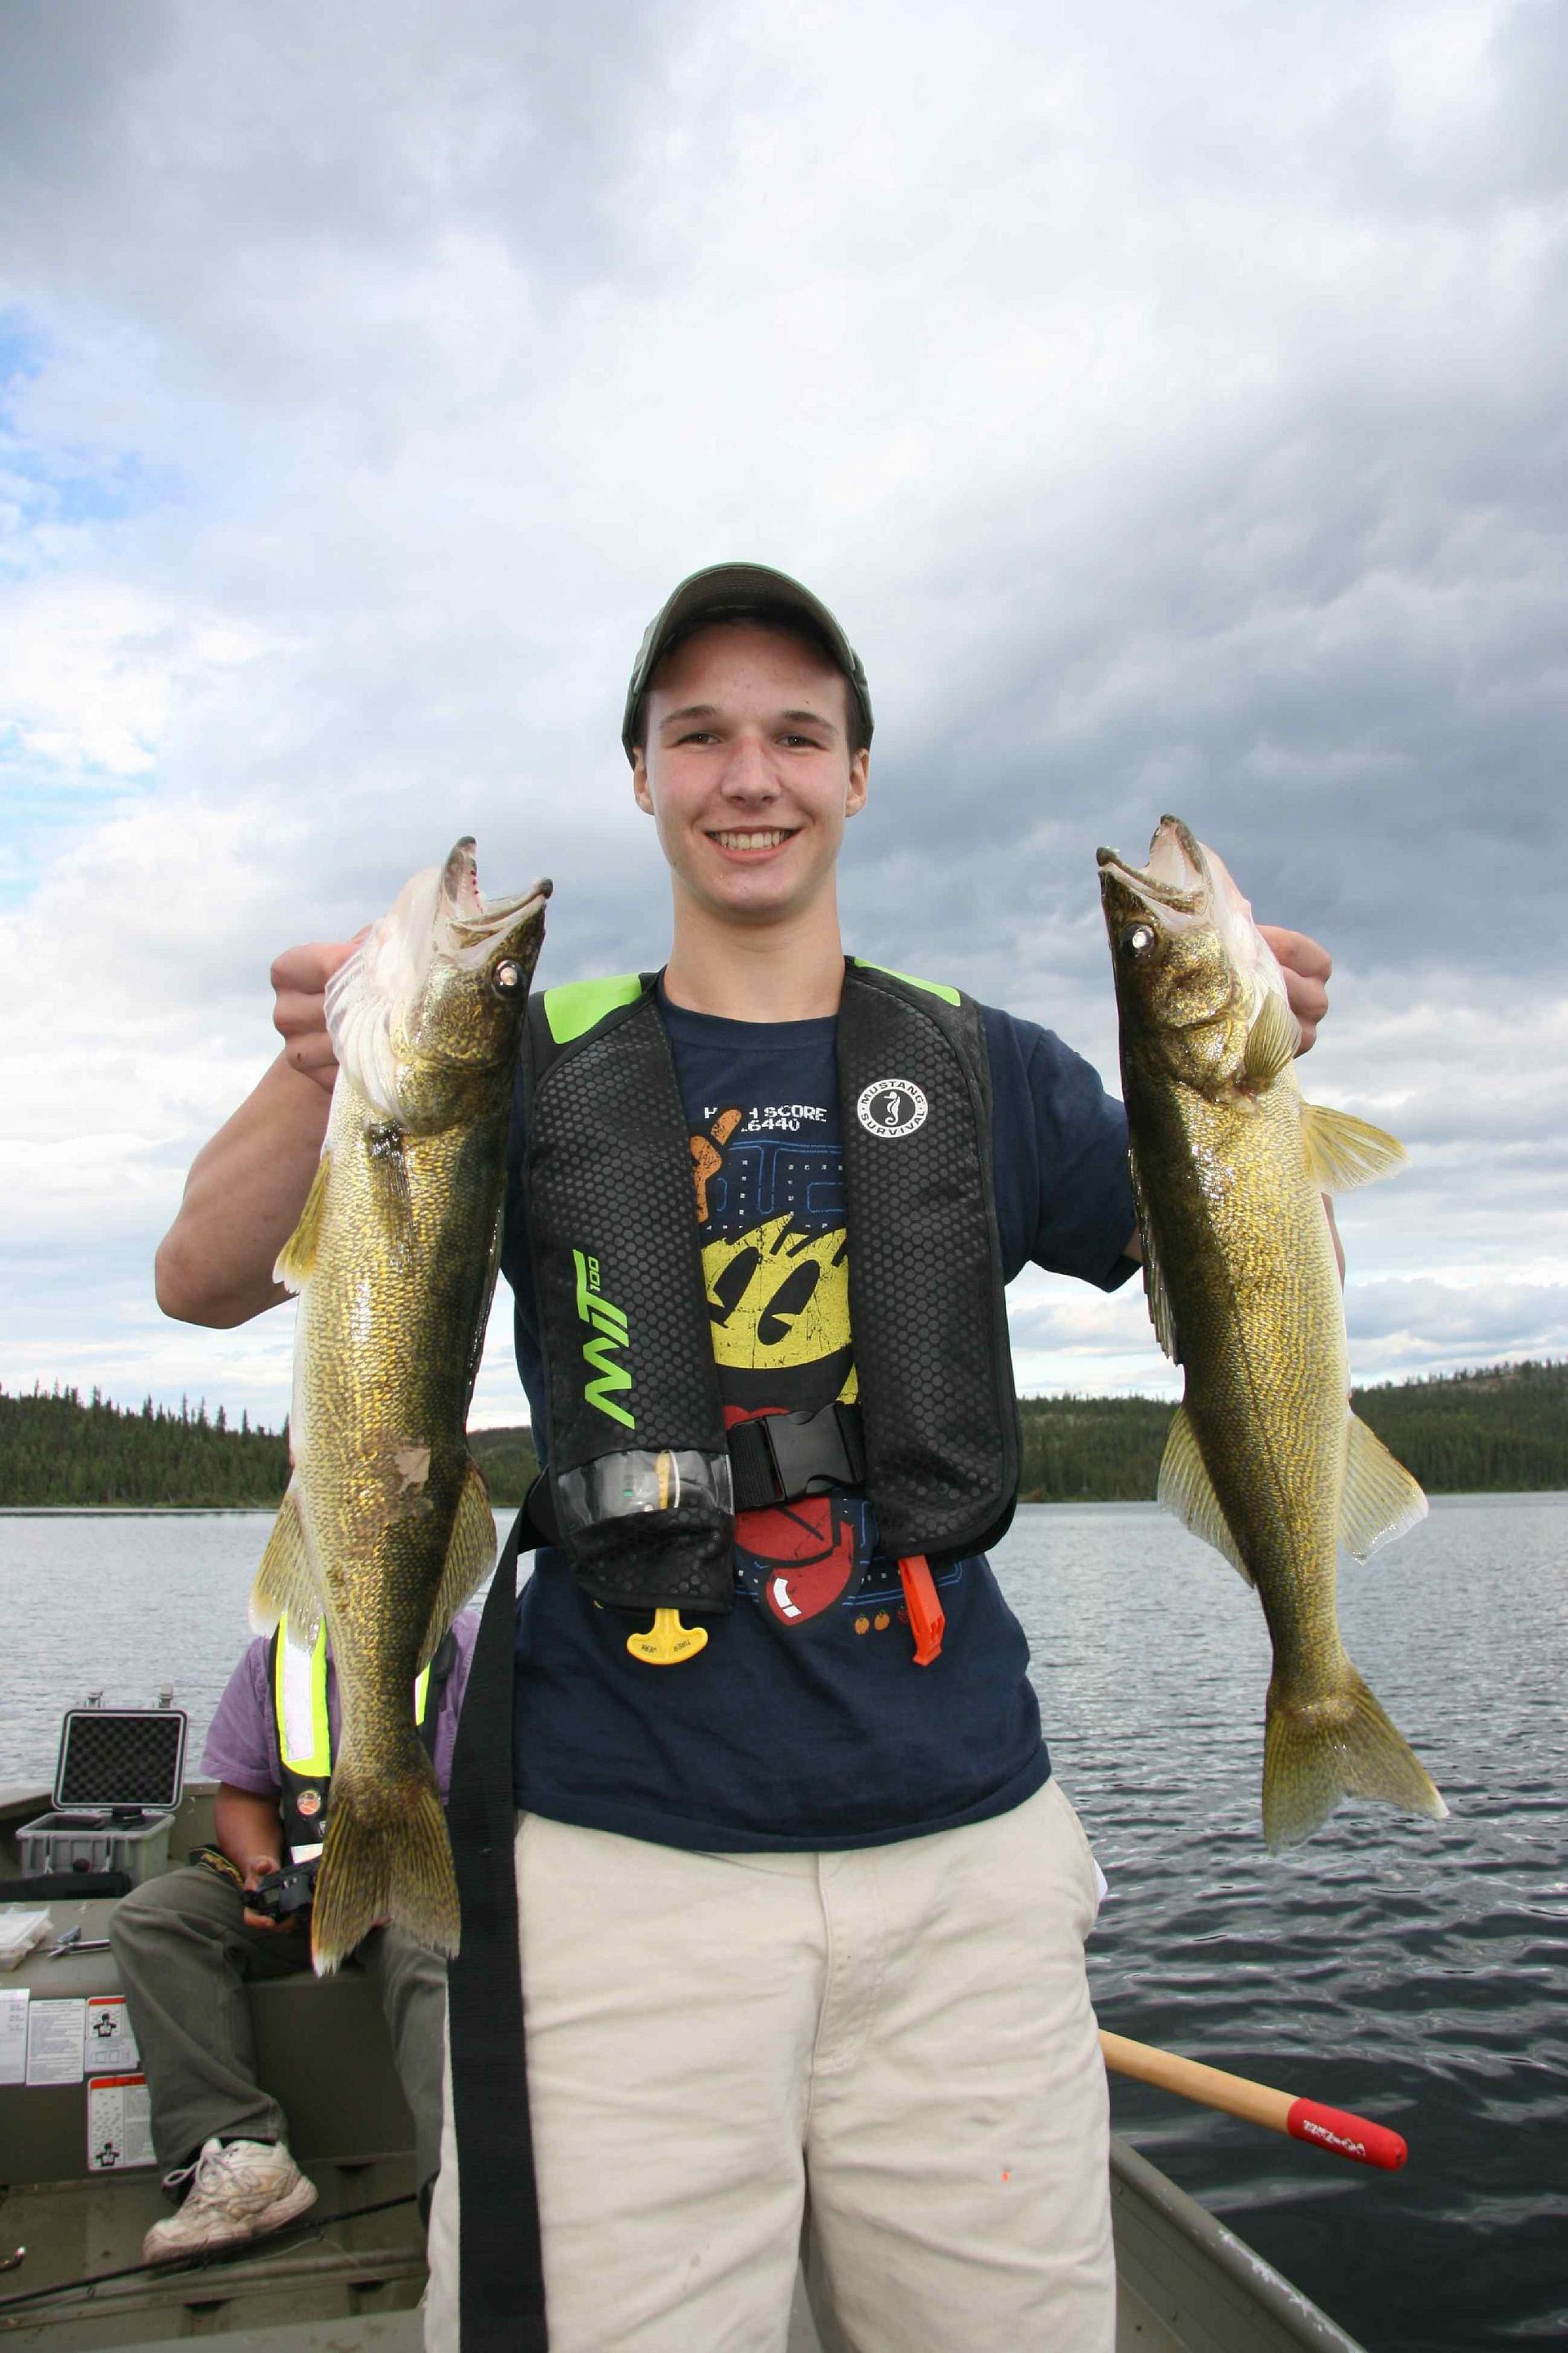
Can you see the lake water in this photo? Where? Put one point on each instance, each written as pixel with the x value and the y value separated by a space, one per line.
pixel 1412 1971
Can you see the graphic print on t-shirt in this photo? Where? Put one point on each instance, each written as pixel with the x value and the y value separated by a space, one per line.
pixel 770 1204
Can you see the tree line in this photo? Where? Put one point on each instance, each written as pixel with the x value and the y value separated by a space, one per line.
pixel 1502 1428
pixel 58 1447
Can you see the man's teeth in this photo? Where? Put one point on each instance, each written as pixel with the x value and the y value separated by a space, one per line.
pixel 753 840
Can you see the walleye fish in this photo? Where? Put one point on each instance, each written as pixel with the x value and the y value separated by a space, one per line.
pixel 385 1529
pixel 1265 1460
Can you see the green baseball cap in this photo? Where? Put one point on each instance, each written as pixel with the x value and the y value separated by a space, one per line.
pixel 736 592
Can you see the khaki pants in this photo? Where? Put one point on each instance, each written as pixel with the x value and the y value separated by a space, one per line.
pixel 901 2035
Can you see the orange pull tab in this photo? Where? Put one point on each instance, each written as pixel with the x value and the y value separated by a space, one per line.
pixel 928 1620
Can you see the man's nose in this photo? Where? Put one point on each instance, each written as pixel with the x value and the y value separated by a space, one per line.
pixel 749 770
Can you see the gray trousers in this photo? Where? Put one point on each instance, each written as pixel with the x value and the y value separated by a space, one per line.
pixel 185 1953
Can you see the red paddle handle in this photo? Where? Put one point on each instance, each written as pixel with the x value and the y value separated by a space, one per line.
pixel 1347 2135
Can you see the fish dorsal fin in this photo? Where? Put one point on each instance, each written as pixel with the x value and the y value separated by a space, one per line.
pixel 1342 1152
pixel 470 1557
pixel 1272 1040
pixel 1161 1313
pixel 285 1579
pixel 1381 1501
pixel 298 1255
pixel 1186 1489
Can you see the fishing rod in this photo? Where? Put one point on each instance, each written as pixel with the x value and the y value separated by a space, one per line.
pixel 211 2259
pixel 1335 2129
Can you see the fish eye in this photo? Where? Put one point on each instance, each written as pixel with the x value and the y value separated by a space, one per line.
pixel 1136 940
pixel 507 977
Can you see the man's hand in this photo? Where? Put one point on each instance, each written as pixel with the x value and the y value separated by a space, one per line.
pixel 299 978
pixel 1306 967
pixel 257 1869
pixel 248 1184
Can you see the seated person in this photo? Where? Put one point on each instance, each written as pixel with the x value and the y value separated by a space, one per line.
pixel 185 1942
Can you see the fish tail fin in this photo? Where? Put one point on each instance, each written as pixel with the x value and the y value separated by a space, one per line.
pixel 385 1858
pixel 1334 1748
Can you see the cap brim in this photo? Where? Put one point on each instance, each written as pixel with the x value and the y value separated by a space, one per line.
pixel 724 588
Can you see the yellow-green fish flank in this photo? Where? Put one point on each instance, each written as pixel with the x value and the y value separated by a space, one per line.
pixel 1265 1460
pixel 386 1529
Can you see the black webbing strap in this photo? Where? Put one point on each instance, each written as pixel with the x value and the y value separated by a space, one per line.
pixel 779 1456
pixel 502 2274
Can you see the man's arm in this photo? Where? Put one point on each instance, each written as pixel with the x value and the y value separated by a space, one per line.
pixel 248 1186
pixel 249 1831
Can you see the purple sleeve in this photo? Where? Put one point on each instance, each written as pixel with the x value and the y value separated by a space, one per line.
pixel 241 1747
pixel 465 1633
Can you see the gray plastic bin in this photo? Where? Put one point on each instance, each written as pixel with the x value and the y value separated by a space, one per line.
pixel 96 1842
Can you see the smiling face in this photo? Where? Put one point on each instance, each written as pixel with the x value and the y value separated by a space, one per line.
pixel 746 770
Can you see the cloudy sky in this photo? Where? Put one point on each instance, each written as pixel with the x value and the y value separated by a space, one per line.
pixel 1172 403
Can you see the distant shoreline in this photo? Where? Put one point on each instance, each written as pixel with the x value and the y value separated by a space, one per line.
pixel 1025 1502
pixel 1500 1430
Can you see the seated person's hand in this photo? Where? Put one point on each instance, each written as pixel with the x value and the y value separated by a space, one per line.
pixel 299 977
pixel 1306 967
pixel 259 1866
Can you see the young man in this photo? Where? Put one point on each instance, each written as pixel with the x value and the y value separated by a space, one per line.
pixel 184 1944
pixel 802 1911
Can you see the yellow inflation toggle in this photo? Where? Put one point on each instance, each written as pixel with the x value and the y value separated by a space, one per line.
pixel 667 1642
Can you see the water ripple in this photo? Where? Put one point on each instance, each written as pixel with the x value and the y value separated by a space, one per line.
pixel 1410 1971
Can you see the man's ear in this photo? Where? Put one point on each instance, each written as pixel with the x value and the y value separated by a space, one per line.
pixel 641 793
pixel 858 767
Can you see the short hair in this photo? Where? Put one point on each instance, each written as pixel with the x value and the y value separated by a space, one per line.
pixel 782 621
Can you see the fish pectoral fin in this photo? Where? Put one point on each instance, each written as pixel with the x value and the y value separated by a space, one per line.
pixel 391 1200
pixel 286 1580
pixel 1186 1489
pixel 1161 1313
pixel 1272 1041
pixel 298 1255
pixel 1381 1499
pixel 470 1557
pixel 1342 1152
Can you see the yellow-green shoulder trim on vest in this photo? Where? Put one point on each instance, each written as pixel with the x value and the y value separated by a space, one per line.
pixel 933 987
pixel 581 1005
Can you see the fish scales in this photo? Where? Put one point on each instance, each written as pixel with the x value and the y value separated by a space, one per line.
pixel 1265 1460
pixel 386 1528
pixel 1248 1261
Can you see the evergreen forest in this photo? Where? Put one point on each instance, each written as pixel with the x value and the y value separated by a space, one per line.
pixel 1504 1427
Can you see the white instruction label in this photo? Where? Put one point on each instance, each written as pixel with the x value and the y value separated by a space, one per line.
pixel 108 2043
pixel 119 2124
pixel 14 2035
pixel 54 2031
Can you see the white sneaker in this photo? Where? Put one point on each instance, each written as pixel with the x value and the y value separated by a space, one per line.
pixel 238 2190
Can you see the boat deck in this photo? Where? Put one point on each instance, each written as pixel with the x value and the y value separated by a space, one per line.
pixel 347 2281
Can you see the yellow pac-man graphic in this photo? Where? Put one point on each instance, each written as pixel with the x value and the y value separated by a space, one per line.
pixel 779 1300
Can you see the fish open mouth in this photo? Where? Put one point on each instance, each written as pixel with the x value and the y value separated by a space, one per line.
pixel 474 923
pixel 1176 879
pixel 1176 885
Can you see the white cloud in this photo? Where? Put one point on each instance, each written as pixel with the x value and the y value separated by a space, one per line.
pixel 1164 434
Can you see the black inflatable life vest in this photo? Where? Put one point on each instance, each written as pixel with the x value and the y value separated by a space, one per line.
pixel 638 1472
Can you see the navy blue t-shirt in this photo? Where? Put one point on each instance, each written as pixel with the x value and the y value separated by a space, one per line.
pixel 804 1722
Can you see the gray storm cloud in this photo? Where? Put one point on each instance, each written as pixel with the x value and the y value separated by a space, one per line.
pixel 1169 405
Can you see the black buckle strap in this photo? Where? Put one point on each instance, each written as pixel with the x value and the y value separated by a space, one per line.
pixel 772 1460
pixel 781 1456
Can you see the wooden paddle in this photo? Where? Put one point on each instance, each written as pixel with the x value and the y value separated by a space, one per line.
pixel 1237 2096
